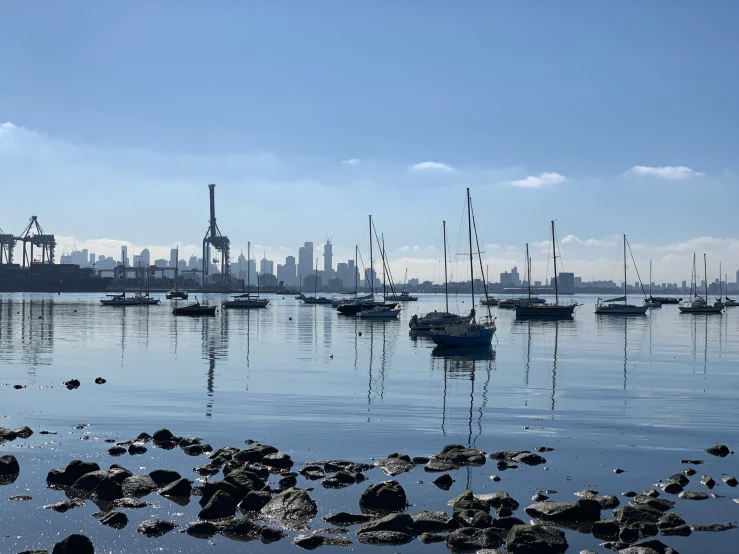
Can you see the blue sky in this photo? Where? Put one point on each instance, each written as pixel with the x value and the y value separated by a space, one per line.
pixel 120 115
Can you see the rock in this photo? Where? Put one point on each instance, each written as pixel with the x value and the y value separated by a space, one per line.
pixel 583 510
pixel 535 539
pixel 138 485
pixel 679 478
pixel 539 497
pixel 467 501
pixel 395 466
pixel 420 460
pixel 606 529
pixel 707 481
pixel 201 529
pixel 651 492
pixel 72 384
pixel 313 472
pixel 586 493
pixel 506 455
pixel 472 539
pixel 313 541
pixel 660 504
pixel 436 465
pixel 339 480
pixel 618 471
pixel 402 523
pixel 506 522
pixel 156 527
pixel 529 459
pixel 719 450
pixel 495 478
pixel 136 449
pixel 100 381
pixel 180 488
pixel 162 435
pixel 23 432
pixel 117 520
pixel 461 455
pixel 429 538
pixel 502 466
pixel 639 530
pixel 21 498
pixel 238 529
pixel 692 462
pixel 164 477
pixel 255 501
pixel 427 521
pixel 385 538
pixel 689 472
pixel 289 481
pixel 608 501
pixel 144 437
pixel 677 531
pixel 544 449
pixel 387 496
pixel 444 482
pixel 345 518
pixel 116 451
pixel 633 514
pixel 210 489
pixel 207 470
pixel 498 500
pixel 637 550
pixel 130 503
pixel 221 505
pixel 672 488
pixel 292 508
pixel 9 465
pixel 74 470
pixel 629 494
pixel 62 507
pixel 473 518
pixel 670 520
pixel 729 480
pixel 89 481
pixel 108 489
pixel 715 527
pixel 195 449
pixel 690 495
pixel 504 512
pixel 74 544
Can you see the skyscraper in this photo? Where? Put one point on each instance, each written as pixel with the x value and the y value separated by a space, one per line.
pixel 124 256
pixel 305 259
pixel 266 267
pixel 251 270
pixel 242 267
pixel 173 257
pixel 287 272
pixel 145 257
pixel 328 256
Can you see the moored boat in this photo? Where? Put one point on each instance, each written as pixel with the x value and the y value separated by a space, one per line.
pixel 699 305
pixel 379 312
pixel 620 305
pixel 195 309
pixel 120 300
pixel 246 301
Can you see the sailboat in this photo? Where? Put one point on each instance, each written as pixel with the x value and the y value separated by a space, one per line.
pixel 246 300
pixel 405 295
pixel 436 319
pixel 699 305
pixel 176 292
pixel 651 302
pixel 467 332
pixel 728 301
pixel 537 310
pixel 121 300
pixel 336 302
pixel 196 309
pixel 384 310
pixel 620 305
pixel 315 299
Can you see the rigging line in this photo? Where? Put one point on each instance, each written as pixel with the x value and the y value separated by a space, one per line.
pixel 384 265
pixel 482 271
pixel 637 269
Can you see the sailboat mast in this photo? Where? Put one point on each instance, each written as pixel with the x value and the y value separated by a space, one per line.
pixel 469 231
pixel 720 284
pixel 248 264
pixel 625 270
pixel 446 280
pixel 315 282
pixel 356 269
pixel 176 264
pixel 384 286
pixel 528 269
pixel 650 279
pixel 705 275
pixel 554 255
pixel 372 275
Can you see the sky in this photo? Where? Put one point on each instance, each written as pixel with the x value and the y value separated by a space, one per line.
pixel 610 118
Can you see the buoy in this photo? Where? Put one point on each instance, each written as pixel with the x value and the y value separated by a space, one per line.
pixel 291 319
pixel 360 333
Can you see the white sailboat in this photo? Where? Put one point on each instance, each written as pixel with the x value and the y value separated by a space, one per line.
pixel 384 310
pixel 620 305
pixel 699 305
pixel 651 302
pixel 315 299
pixel 246 300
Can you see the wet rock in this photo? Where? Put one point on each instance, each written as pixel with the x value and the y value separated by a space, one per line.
pixel 720 450
pixel 74 544
pixel 539 497
pixel 292 508
pixel 502 466
pixel 679 478
pixel 108 489
pixel 21 498
pixel 535 539
pixel 639 530
pixel 586 493
pixel 225 452
pixel 238 529
pixel 495 478
pixel 498 500
pixel 221 505
pixel 156 528
pixel 269 535
pixel 100 381
pixel 637 550
pixel 715 527
pixel 313 472
pixel 89 481
pixel 74 470
pixel 395 465
pixel 427 521
pixel 255 501
pixel 467 501
pixel 162 435
pixel 444 482
pixel 473 539
pixel 506 455
pixel 116 451
pixel 201 529
pixel 207 470
pixel 117 520
pixel 180 488
pixel 634 514
pixel 677 531
pixel 504 512
pixel 72 384
pixel 629 494
pixel 210 489
pixel 618 471
pixel 473 518
pixel 387 496
pixel 385 538
pixel 461 455
pixel 670 520
pixel 130 503
pixel 507 522
pixel 23 432
pixel 690 495
pixel 420 460
pixel 345 518
pixel 138 485
pixel 692 462
pixel 608 501
pixel 289 482
pixel 544 449
pixel 313 541
pixel 402 523
pixel 661 504
pixel 651 492
pixel 689 472
pixel 672 488
pixel 435 465
pixel 529 459
pixel 136 449
pixel 62 507
pixel 584 509
pixel 430 538
pixel 195 449
pixel 9 466
pixel 707 481
pixel 606 529
pixel 339 480
pixel 164 477
pixel 144 437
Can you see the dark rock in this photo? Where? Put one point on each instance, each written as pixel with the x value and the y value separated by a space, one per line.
pixel 584 509
pixel 677 531
pixel 690 495
pixel 108 489
pixel 719 450
pixel 529 459
pixel 461 455
pixel 715 527
pixel 156 527
pixel 436 465
pixel 637 550
pixel 432 522
pixel 339 480
pixel 221 505
pixel 444 482
pixel 74 544
pixel 138 485
pixel 402 523
pixel 9 465
pixel 100 381
pixel 618 471
pixel 495 478
pixel 239 529
pixel 670 520
pixel 606 529
pixel 21 498
pixel 386 496
pixel 544 449
pixel 130 503
pixel 535 539
pixel 661 504
pixel 289 482
pixel 313 472
pixel 62 507
pixel 164 477
pixel 7 435
pixel 429 538
pixel 608 501
pixel 639 530
pixel 506 455
pixel 539 497
pixel 207 470
pixel 313 541
pixel 586 493
pixel 210 489
pixel 467 501
pixel 166 445
pixel 18 387
pixel 136 449
pixel 692 462
pixel 119 474
pixel 345 518
pixel 117 520
pixel 385 538
pixel 679 478
pixel 269 535
pixel 195 449
pixel 629 494
pixel 74 470
pixel 89 481
pixel 473 518
pixel 116 451
pixel 707 481
pixel 245 481
pixel 144 437
pixel 633 514
pixel 502 466
pixel 689 472
pixel 498 500
pixel 255 501
pixel 420 460
pixel 256 453
pixel 162 435
pixel 182 443
pixel 201 529
pixel 226 452
pixel 672 488
pixel 507 522
pixel 729 480
pixel 180 488
pixel 292 509
pixel 473 539
pixel 651 492
pixel 23 432
pixel 395 466
pixel 72 384
pixel 504 512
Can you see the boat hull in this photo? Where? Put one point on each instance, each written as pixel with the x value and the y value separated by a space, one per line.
pixel 545 311
pixel 621 310
pixel 390 314
pixel 700 309
pixel 198 311
pixel 483 338
pixel 245 304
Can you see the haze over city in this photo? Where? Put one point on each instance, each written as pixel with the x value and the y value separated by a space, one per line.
pixel 610 119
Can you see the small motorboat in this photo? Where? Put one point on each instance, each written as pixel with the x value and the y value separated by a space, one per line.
pixel 402 297
pixel 490 301
pixel 246 301
pixel 145 300
pixel 194 309
pixel 666 299
pixel 729 302
pixel 432 320
pixel 379 312
pixel 316 300
pixel 120 300
pixel 652 302
pixel 176 294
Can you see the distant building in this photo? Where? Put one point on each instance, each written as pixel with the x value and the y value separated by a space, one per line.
pixel 413 282
pixel 267 280
pixel 510 279
pixel 161 263
pixel 251 270
pixel 173 257
pixel 193 263
pixel 241 267
pixel 92 259
pixel 124 256
pixel 685 283
pixel 566 283
pixel 145 257
pixel 328 257
pixel 305 260
pixel 312 282
pixel 287 272
pixel 335 284
pixel 266 267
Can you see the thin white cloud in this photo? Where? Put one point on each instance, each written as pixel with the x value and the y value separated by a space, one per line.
pixel 587 242
pixel 671 172
pixel 431 166
pixel 698 244
pixel 537 181
pixel 352 161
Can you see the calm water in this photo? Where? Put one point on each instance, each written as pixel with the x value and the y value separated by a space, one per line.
pixel 638 393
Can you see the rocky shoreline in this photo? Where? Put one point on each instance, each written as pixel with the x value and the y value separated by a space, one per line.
pixel 261 495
